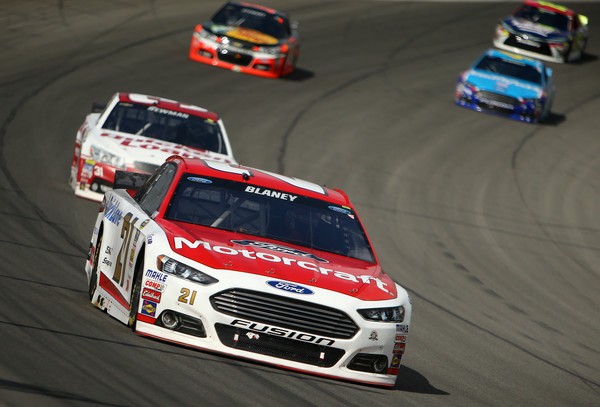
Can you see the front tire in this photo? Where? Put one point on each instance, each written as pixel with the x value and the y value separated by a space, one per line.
pixel 93 283
pixel 134 304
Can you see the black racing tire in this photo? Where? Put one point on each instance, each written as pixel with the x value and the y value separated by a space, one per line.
pixel 135 292
pixel 93 284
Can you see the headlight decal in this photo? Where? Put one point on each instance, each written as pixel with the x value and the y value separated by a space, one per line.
pixel 171 266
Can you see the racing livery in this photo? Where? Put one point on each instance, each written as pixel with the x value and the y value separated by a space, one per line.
pixel 543 30
pixel 248 263
pixel 137 133
pixel 248 38
pixel 507 84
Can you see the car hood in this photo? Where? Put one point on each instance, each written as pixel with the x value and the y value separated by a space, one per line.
pixel 148 150
pixel 538 31
pixel 247 35
pixel 505 85
pixel 278 261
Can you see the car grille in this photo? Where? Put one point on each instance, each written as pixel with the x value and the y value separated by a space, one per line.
pixel 543 47
pixel 145 167
pixel 234 57
pixel 285 312
pixel 496 102
pixel 279 347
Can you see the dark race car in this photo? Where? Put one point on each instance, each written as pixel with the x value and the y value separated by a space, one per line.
pixel 545 31
pixel 247 38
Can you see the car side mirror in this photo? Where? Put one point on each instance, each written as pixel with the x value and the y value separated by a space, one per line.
pixel 131 181
pixel 98 107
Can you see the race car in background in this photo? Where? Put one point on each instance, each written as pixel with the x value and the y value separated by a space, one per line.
pixel 507 84
pixel 137 133
pixel 542 30
pixel 247 38
pixel 251 264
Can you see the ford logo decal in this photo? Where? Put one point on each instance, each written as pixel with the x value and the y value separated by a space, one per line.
pixel 289 287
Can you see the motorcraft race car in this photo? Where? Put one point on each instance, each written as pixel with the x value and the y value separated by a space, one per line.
pixel 248 263
pixel 137 133
pixel 545 31
pixel 248 38
pixel 507 84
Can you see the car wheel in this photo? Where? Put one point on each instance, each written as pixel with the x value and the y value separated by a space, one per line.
pixel 94 277
pixel 135 294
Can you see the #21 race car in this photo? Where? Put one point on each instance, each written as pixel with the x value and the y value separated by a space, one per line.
pixel 543 30
pixel 251 264
pixel 137 133
pixel 507 84
pixel 248 38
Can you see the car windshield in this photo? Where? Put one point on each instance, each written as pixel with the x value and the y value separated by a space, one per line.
pixel 544 17
pixel 237 15
pixel 167 125
pixel 270 214
pixel 510 68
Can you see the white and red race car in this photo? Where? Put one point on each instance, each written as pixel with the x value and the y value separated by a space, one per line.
pixel 251 264
pixel 137 133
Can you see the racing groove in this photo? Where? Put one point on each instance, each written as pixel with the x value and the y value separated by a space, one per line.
pixel 492 225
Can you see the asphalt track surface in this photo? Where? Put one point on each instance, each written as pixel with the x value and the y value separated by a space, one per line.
pixel 491 224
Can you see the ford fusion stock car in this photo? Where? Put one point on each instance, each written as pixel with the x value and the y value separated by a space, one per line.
pixel 247 38
pixel 545 31
pixel 137 133
pixel 251 264
pixel 507 84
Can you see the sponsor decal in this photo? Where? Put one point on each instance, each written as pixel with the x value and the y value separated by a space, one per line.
pixel 168 112
pixel 498 78
pixel 271 193
pixel 155 145
pixel 525 41
pixel 279 248
pixel 402 328
pixel 107 262
pixel 155 285
pixel 396 361
pixel 199 180
pixel 108 250
pixel 149 308
pixel 180 242
pixel 144 223
pixel 373 336
pixel 285 333
pixel 156 275
pixel 400 338
pixel 152 295
pixel 340 210
pixel 399 347
pixel 149 239
pixel 252 335
pixel 112 213
pixel 289 287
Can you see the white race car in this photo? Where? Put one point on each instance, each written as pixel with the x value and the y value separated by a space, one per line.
pixel 137 133
pixel 251 264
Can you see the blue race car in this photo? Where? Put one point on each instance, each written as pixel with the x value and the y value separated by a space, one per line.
pixel 507 84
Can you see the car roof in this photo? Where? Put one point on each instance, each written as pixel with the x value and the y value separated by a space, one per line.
pixel 550 6
pixel 262 178
pixel 168 104
pixel 514 57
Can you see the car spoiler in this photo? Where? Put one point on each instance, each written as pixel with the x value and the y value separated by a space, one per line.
pixel 131 181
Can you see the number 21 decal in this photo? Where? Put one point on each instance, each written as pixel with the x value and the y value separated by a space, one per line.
pixel 187 296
